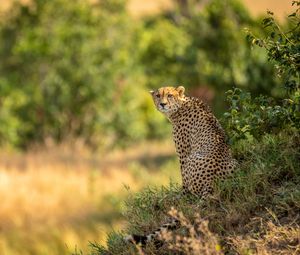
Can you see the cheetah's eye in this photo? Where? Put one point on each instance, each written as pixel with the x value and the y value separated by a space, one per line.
pixel 158 95
pixel 170 96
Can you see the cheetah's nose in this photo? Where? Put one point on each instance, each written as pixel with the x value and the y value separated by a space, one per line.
pixel 162 105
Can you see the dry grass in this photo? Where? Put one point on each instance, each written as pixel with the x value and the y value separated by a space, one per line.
pixel 198 239
pixel 55 199
pixel 277 239
pixel 139 8
pixel 281 8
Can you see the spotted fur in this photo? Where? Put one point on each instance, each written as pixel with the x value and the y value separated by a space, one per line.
pixel 199 139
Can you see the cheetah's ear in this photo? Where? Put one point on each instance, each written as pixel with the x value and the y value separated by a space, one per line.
pixel 151 92
pixel 180 90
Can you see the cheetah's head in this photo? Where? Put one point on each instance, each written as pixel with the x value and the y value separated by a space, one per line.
pixel 168 99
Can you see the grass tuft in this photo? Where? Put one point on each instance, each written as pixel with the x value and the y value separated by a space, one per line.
pixel 254 212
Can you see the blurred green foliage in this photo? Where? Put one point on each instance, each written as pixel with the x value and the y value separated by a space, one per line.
pixel 74 68
pixel 71 69
pixel 207 47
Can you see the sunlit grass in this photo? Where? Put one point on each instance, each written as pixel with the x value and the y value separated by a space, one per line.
pixel 255 212
pixel 56 200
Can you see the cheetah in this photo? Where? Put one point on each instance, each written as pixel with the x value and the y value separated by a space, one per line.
pixel 200 145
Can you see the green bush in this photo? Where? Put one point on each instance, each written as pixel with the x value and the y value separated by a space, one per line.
pixel 251 117
pixel 207 47
pixel 10 102
pixel 163 49
pixel 283 47
pixel 74 68
pixel 70 69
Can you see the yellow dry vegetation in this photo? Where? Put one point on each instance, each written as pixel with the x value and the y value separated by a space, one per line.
pixel 281 8
pixel 53 200
pixel 139 8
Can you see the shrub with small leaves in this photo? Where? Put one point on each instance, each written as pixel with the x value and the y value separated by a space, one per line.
pixel 283 46
pixel 252 117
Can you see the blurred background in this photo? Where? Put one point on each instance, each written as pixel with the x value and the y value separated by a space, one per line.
pixel 78 129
